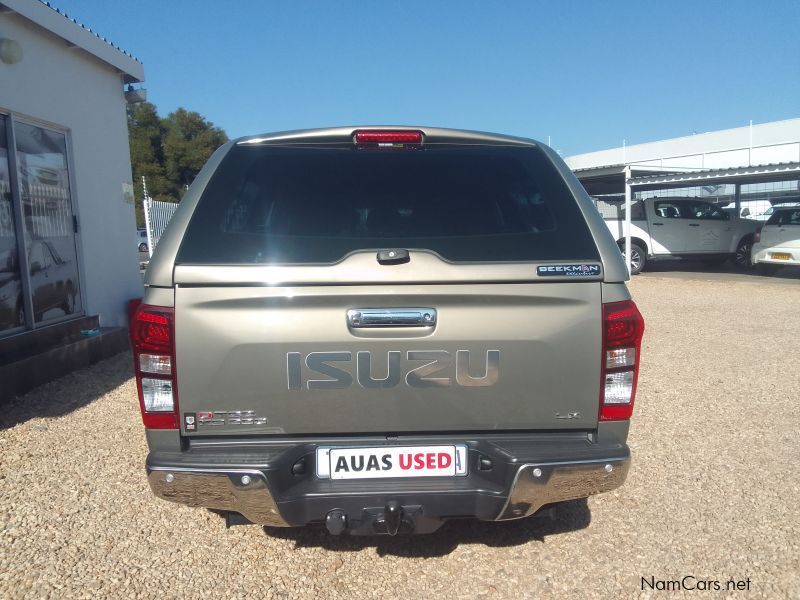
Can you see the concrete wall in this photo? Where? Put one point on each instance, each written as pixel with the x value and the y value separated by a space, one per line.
pixel 70 88
pixel 775 142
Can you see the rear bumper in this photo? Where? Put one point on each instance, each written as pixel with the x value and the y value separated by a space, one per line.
pixel 763 254
pixel 526 473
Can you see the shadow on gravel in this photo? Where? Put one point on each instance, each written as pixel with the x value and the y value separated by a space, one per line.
pixel 569 516
pixel 726 271
pixel 71 392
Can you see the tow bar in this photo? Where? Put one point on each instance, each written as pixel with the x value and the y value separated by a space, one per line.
pixel 388 520
pixel 392 516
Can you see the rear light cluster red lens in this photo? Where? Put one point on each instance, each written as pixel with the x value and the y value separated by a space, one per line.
pixel 153 341
pixel 152 330
pixel 387 137
pixel 757 234
pixel 623 327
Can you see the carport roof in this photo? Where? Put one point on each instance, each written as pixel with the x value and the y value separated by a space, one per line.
pixel 619 169
pixel 610 179
pixel 749 174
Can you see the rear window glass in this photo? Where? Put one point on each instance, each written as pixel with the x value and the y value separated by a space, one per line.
pixel 313 204
pixel 785 216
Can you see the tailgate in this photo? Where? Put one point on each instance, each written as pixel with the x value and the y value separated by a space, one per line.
pixel 285 359
pixel 286 239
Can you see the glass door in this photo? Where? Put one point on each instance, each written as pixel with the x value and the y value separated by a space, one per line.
pixel 46 205
pixel 12 306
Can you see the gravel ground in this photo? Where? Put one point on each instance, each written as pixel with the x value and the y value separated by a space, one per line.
pixel 712 491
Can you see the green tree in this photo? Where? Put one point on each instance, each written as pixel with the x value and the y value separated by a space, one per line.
pixel 145 134
pixel 189 141
pixel 169 152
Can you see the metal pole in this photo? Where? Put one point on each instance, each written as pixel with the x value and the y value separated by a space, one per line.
pixel 628 218
pixel 148 225
pixel 737 199
pixel 147 205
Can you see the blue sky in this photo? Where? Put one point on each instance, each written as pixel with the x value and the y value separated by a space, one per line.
pixel 588 74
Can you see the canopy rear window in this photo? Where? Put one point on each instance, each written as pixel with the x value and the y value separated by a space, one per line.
pixel 316 204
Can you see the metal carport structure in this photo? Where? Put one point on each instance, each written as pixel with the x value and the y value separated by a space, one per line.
pixel 619 179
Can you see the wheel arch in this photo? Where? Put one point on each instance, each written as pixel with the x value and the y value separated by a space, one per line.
pixel 634 240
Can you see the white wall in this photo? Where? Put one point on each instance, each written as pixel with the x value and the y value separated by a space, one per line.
pixel 72 89
pixel 775 142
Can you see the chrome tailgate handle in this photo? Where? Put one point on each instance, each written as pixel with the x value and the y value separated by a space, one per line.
pixel 391 317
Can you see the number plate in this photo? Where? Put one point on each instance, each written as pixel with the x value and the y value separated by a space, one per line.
pixel 781 256
pixel 392 461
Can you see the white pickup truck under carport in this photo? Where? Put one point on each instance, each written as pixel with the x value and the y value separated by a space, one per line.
pixel 680 227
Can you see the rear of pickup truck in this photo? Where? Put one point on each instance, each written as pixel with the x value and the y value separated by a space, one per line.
pixel 381 329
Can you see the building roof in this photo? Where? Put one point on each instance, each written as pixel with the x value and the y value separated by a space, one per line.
pixel 76 34
pixel 776 141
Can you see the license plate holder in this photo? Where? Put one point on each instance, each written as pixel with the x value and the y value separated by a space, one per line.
pixel 384 462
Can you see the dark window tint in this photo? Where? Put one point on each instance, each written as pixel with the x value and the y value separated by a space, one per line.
pixel 785 217
pixel 312 204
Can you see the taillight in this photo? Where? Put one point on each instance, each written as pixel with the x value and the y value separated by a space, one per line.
pixel 623 327
pixel 153 341
pixel 387 138
pixel 757 234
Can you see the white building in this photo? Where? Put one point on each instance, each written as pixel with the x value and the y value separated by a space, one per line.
pixel 68 259
pixel 767 143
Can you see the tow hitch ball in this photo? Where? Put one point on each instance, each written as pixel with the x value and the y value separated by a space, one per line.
pixel 391 518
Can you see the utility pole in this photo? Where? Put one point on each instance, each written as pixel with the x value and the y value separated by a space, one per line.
pixel 627 225
pixel 147 224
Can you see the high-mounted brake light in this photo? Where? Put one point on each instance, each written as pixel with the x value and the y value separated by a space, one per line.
pixel 623 327
pixel 153 341
pixel 387 137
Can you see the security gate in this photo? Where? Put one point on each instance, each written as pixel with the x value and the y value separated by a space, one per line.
pixel 157 216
